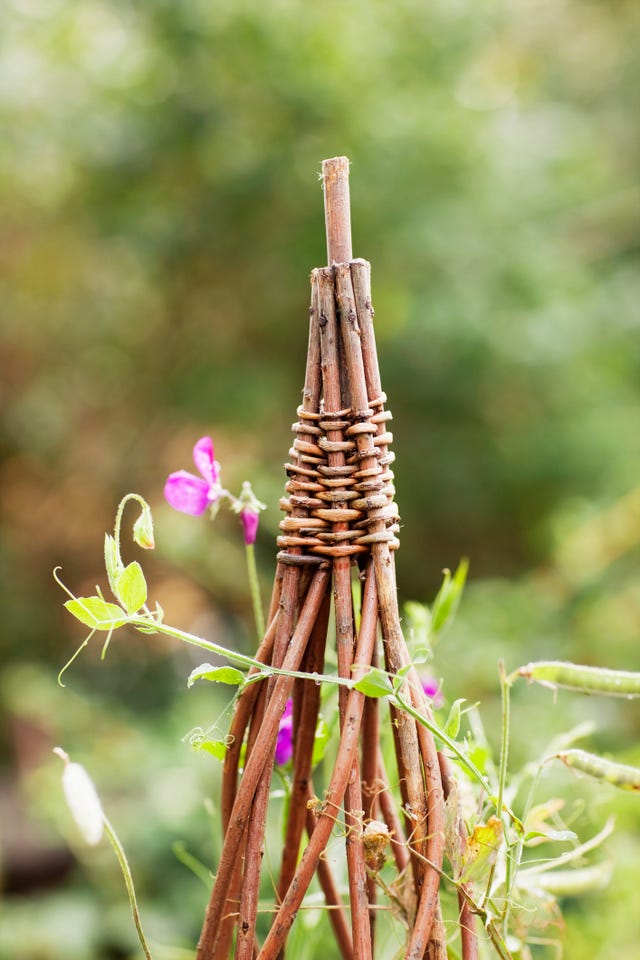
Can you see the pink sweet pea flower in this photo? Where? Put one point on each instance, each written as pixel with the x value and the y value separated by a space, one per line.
pixel 250 520
pixel 433 690
pixel 248 507
pixel 188 493
pixel 284 742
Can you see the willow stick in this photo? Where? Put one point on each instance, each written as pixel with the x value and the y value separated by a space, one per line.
pixel 276 590
pixel 254 838
pixel 369 764
pixel 427 936
pixel 335 401
pixel 245 705
pixel 391 818
pixel 290 590
pixel 254 852
pixel 337 913
pixel 337 786
pixel 337 209
pixel 237 890
pixel 467 919
pixel 261 754
pixel 428 929
pixel 304 738
pixel 395 649
pixel 241 717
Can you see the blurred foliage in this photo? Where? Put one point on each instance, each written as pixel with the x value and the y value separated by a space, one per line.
pixel 159 218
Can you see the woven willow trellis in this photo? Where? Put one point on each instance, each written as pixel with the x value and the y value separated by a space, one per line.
pixel 340 515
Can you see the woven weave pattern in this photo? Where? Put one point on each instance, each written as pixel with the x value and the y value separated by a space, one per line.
pixel 336 496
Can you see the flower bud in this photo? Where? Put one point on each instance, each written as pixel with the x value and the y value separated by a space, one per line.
pixel 143 529
pixel 249 507
pixel 284 742
pixel 82 799
pixel 250 522
pixel 433 690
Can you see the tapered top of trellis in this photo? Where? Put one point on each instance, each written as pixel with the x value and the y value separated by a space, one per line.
pixel 337 209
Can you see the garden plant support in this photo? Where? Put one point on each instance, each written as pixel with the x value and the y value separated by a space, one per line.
pixel 340 521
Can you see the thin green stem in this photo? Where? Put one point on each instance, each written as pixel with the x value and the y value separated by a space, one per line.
pixel 265 670
pixel 441 735
pixel 514 854
pixel 121 506
pixel 254 586
pixel 502 769
pixel 505 689
pixel 128 879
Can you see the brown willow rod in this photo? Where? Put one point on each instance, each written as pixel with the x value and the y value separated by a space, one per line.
pixel 242 714
pixel 254 840
pixel 369 767
pixel 260 755
pixel 288 604
pixel 355 306
pixel 427 925
pixel 467 921
pixel 341 515
pixel 337 912
pixel 305 730
pixel 428 921
pixel 337 786
pixel 254 849
pixel 249 895
pixel 236 892
pixel 395 649
pixel 245 707
pixel 283 601
pixel 391 818
pixel 337 209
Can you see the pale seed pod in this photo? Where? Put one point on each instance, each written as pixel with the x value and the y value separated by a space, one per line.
pixel 606 771
pixel 574 883
pixel 582 679
pixel 82 799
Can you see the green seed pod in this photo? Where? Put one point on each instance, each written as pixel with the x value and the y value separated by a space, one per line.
pixel 573 676
pixel 607 771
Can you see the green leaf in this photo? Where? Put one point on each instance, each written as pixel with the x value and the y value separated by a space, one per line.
pixel 541 836
pixel 375 683
pixel 112 561
pixel 452 726
pixel 479 756
pixel 217 748
pixel 131 587
pixel 446 602
pixel 399 678
pixel 206 671
pixel 418 630
pixel 96 613
pixel 481 850
pixel 320 741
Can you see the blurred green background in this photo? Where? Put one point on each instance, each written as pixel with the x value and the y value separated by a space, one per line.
pixel 160 215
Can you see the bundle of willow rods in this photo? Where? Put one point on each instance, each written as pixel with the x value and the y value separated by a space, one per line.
pixel 339 515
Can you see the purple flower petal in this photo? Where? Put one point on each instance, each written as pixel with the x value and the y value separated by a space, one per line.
pixel 432 689
pixel 187 493
pixel 203 458
pixel 284 742
pixel 250 520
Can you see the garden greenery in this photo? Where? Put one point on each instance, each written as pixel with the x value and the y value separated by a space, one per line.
pixel 514 892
